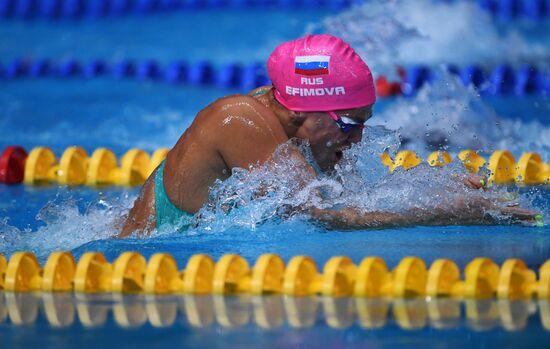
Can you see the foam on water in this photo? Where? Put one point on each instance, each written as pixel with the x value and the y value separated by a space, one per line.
pixel 67 223
pixel 447 115
pixel 392 32
pixel 248 199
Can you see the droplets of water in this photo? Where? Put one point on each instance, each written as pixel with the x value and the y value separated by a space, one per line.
pixel 68 221
pixel 277 191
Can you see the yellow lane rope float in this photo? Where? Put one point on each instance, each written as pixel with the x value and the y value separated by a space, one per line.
pixel 102 168
pixel 503 168
pixel 76 168
pixel 231 274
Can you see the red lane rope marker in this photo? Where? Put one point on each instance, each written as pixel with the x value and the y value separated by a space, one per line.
pixel 12 165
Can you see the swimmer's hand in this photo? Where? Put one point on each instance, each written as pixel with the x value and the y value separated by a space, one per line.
pixel 521 215
pixel 483 210
pixel 474 181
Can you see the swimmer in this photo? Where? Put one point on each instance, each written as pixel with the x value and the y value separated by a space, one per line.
pixel 322 92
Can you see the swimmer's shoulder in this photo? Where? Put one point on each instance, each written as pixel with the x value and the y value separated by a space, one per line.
pixel 245 108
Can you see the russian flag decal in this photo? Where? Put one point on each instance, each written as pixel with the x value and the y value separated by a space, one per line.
pixel 311 65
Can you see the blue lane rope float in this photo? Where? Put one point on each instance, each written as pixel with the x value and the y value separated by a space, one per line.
pixel 74 9
pixel 505 10
pixel 512 9
pixel 502 79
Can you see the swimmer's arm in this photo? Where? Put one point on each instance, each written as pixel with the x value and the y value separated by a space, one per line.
pixel 476 213
pixel 349 219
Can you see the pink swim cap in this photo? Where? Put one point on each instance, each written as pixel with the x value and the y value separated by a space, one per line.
pixel 320 73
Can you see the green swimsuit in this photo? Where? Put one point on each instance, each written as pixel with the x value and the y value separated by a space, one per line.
pixel 167 212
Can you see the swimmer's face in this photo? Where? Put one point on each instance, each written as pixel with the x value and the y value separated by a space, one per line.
pixel 327 140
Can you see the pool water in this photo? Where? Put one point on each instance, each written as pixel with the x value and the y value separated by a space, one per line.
pixel 122 114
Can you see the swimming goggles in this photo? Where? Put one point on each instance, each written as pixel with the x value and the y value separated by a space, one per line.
pixel 345 124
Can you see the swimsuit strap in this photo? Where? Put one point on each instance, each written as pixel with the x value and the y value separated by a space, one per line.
pixel 260 92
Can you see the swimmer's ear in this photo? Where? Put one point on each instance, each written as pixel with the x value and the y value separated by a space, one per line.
pixel 297 118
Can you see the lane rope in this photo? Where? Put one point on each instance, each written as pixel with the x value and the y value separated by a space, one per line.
pixel 102 168
pixel 130 272
pixel 503 10
pixel 502 79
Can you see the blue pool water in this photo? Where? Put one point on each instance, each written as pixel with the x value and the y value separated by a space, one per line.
pixel 122 114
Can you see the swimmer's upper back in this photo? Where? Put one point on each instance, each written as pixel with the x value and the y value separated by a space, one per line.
pixel 234 131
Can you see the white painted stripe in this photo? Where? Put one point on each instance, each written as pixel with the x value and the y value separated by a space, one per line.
pixel 308 59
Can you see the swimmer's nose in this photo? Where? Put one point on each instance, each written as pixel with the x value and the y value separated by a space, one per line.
pixel 355 136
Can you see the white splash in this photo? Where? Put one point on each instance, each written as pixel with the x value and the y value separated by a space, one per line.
pixel 66 225
pixel 447 115
pixel 385 33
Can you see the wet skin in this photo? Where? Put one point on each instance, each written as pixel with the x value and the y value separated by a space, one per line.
pixel 244 131
pixel 238 131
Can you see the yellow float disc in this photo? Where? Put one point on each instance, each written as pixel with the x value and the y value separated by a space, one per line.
pixel 545 177
pixel 529 169
pixel 502 166
pixel 410 278
pixel 134 168
pixel 3 266
pixel 300 273
pixel 59 272
pixel 439 158
pixel 543 289
pixel 128 272
pixel 514 280
pixel 228 272
pixel 387 161
pixel 338 277
pixel 38 164
pixel 481 278
pixel 471 160
pixel 198 275
pixel 267 275
pixel 158 156
pixel 162 275
pixel 372 274
pixel 22 273
pixel 443 274
pixel 407 159
pixel 101 165
pixel 93 273
pixel 73 166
